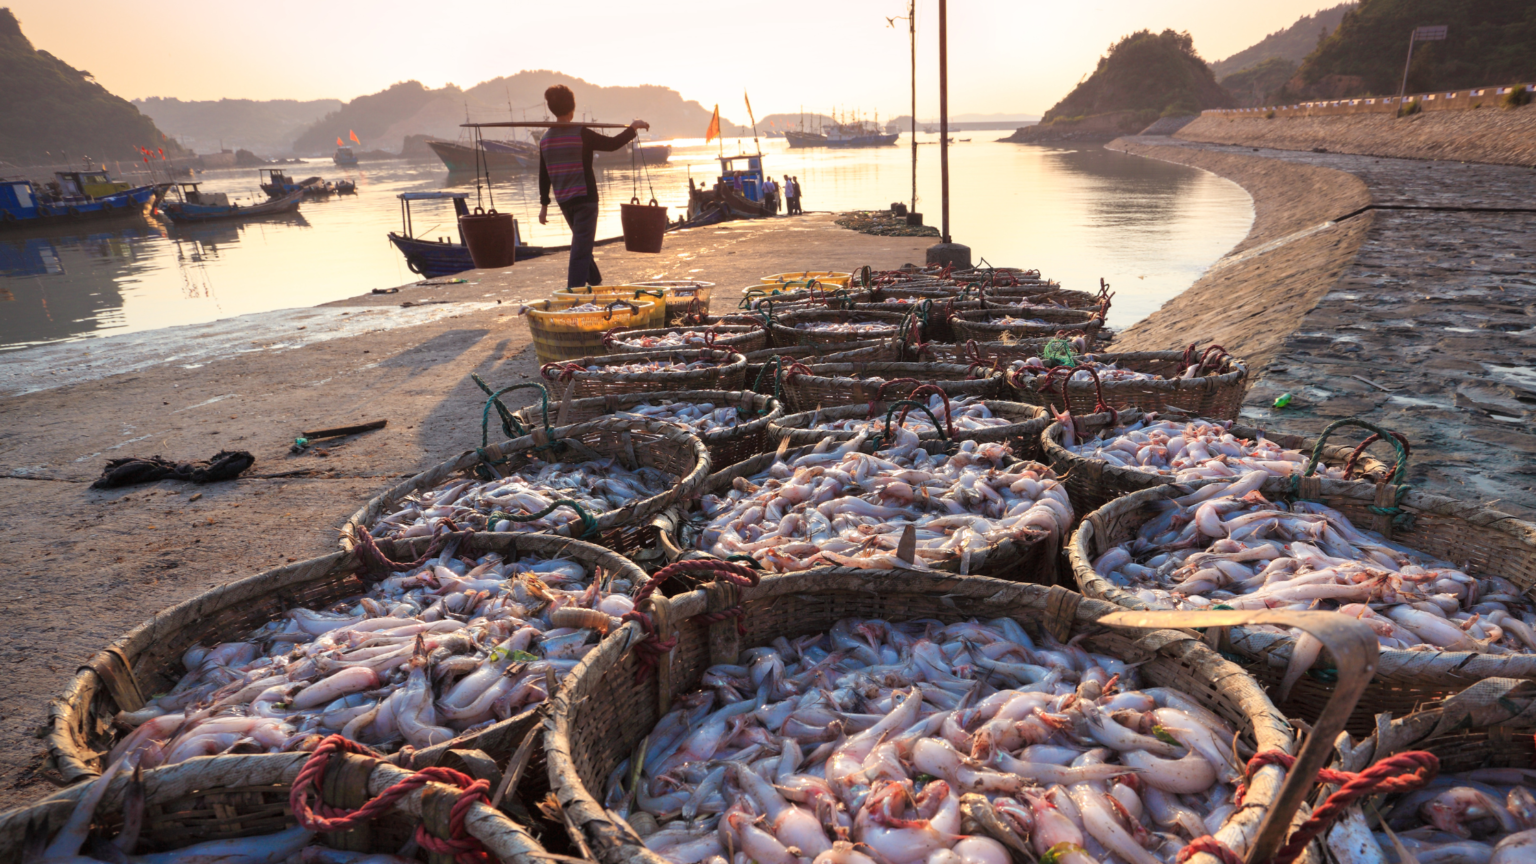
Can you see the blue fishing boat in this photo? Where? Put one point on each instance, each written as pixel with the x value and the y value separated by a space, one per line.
pixel 443 257
pixel 739 190
pixel 196 206
pixel 276 183
pixel 22 206
pixel 344 156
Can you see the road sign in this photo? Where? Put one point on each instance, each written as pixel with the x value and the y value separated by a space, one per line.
pixel 1429 34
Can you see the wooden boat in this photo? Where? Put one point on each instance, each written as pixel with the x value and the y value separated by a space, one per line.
pixel 442 257
pixel 276 183
pixel 463 159
pixel 344 156
pixel 196 206
pixel 346 187
pixel 739 189
pixel 805 139
pixel 21 206
pixel 650 154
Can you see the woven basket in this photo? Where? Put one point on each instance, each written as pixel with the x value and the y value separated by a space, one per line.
pixel 828 277
pixel 762 378
pixel 147 659
pixel 1025 559
pixel 684 296
pixel 979 324
pixel 602 711
pixel 1022 434
pixel 829 385
pixel 227 797
pixel 559 336
pixel 1043 295
pixel 604 294
pixel 993 355
pixel 933 313
pixel 1218 396
pixel 741 338
pixel 1092 483
pixel 726 374
pixel 637 443
pixel 786 333
pixel 726 447
pixel 1481 540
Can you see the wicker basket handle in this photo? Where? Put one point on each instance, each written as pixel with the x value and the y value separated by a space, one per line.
pixel 1354 648
pixel 907 405
pixel 924 390
pixel 509 423
pixel 1398 442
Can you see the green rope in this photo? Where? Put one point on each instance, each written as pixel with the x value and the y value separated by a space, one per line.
pixel 588 524
pixel 509 423
pixel 775 362
pixel 1060 351
pixel 746 559
pixel 1398 471
pixel 909 403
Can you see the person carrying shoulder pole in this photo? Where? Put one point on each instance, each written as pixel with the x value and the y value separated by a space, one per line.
pixel 565 166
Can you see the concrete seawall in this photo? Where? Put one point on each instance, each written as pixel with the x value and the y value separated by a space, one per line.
pixel 1488 134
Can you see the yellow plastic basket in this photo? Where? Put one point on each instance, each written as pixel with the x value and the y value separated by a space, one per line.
pixel 560 336
pixel 604 294
pixel 681 297
pixel 829 277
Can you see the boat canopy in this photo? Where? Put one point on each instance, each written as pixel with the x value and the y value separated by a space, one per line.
pixel 431 196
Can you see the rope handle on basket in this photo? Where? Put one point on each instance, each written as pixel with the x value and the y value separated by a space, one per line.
pixel 1401 772
pixel 509 423
pixel 1354 456
pixel 1099 405
pixel 561 372
pixel 588 524
pixel 907 405
pixel 632 308
pixel 651 648
pixel 322 818
pixel 924 390
pixel 880 393
pixel 1398 442
pixel 376 562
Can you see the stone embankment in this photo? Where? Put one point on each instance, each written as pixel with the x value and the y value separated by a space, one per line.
pixel 1488 134
pixel 1398 291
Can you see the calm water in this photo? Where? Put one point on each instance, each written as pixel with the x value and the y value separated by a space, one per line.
pixel 1148 227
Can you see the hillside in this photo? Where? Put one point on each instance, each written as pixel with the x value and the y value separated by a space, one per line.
pixel 51 111
pixel 1143 77
pixel 1251 87
pixel 1488 42
pixel 266 127
pixel 1293 43
pixel 384 119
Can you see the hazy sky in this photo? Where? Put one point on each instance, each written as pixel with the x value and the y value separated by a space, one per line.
pixel 1015 56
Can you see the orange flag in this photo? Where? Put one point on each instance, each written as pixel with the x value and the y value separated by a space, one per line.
pixel 353 136
pixel 714 127
pixel 339 142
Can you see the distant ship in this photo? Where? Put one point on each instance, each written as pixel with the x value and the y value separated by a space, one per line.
pixel 857 133
pixel 344 156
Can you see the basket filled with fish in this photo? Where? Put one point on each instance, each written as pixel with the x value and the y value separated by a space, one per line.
pixel 817 326
pixel 825 277
pixel 797 295
pixel 741 338
pixel 1104 456
pixel 1478 808
pixel 997 355
pixel 763 366
pixel 959 419
pixel 932 313
pixel 1007 323
pixel 829 385
pixel 650 371
pixel 563 331
pixel 601 295
pixel 963 507
pixel 1205 384
pixel 732 424
pixel 684 297
pixel 268 810
pixel 901 717
pixel 436 645
pixel 1443 584
pixel 601 480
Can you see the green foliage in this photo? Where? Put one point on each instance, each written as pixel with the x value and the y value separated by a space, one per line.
pixel 1146 72
pixel 49 109
pixel 1410 109
pixel 1515 98
pixel 1488 41
pixel 1291 44
pixel 1251 85
pixel 369 116
pixel 268 127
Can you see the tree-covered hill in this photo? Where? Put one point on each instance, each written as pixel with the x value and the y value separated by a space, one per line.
pixel 1293 43
pixel 1156 73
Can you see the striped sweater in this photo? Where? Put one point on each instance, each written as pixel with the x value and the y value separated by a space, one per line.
pixel 565 161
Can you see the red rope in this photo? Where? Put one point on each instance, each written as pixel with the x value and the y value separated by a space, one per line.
pixel 651 648
pixel 563 372
pixel 322 818
pixel 880 393
pixel 1349 464
pixel 377 562
pixel 1403 772
pixel 1213 355
pixel 924 390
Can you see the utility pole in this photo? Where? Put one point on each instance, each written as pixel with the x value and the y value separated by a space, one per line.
pixel 1419 34
pixel 912 27
pixel 945 252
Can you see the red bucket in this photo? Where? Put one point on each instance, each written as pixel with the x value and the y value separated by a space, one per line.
pixel 491 238
pixel 644 225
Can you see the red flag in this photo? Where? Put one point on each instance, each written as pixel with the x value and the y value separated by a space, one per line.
pixel 353 136
pixel 713 131
pixel 162 152
pixel 339 142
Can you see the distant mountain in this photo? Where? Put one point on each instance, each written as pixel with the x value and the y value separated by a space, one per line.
pixel 1251 87
pixel 1487 42
pixel 1293 43
pixel 1145 76
pixel 53 112
pixel 386 118
pixel 267 127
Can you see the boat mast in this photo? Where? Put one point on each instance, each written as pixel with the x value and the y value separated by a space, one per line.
pixel 912 28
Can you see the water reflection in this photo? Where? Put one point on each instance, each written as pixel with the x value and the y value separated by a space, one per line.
pixel 1077 214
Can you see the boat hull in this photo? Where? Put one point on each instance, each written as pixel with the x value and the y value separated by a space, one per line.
pixel 459 158
pixel 864 141
pixel 186 213
pixel 129 203
pixel 430 259
pixel 805 139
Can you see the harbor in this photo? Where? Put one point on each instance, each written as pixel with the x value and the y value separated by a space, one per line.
pixel 1148 485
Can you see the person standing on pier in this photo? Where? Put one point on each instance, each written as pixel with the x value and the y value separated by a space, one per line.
pixel 565 167
pixel 799 208
pixel 771 195
pixel 791 197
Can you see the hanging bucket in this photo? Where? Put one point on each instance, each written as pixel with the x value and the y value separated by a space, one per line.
pixel 491 238
pixel 644 225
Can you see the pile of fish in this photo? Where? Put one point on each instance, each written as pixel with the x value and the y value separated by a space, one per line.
pixel 1486 816
pixel 1107 372
pixel 421 658
pixel 584 307
pixel 836 506
pixel 968 414
pixel 658 366
pixel 870 328
pixel 697 417
pixel 925 743
pixel 1190 450
pixel 1009 320
pixel 1226 544
pixel 673 339
pixel 598 486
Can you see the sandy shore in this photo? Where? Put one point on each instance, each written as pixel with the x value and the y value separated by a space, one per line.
pixel 87 565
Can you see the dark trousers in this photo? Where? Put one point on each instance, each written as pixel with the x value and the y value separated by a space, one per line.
pixel 582 217
pixel 794 205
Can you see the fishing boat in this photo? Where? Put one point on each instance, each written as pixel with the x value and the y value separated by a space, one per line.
pixel 442 257
pixel 804 139
pixel 739 190
pixel 650 154
pixel 22 206
pixel 344 156
pixel 197 206
pixel 276 183
pixel 505 156
pixel 346 187
pixel 860 133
